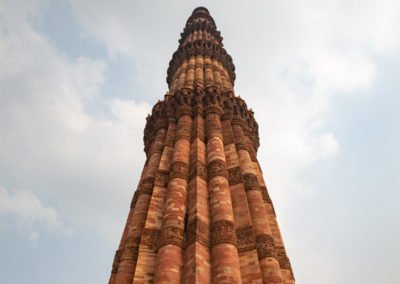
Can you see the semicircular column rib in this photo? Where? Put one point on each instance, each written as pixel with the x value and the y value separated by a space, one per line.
pixel 201 213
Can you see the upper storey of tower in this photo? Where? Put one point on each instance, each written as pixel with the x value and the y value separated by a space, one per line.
pixel 200 37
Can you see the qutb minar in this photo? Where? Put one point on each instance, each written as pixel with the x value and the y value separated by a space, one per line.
pixel 201 212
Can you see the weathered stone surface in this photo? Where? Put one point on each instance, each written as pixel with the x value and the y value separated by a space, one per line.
pixel 265 246
pixel 245 239
pixel 234 176
pixel 201 212
pixel 223 232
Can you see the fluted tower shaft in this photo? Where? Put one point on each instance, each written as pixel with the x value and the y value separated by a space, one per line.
pixel 201 212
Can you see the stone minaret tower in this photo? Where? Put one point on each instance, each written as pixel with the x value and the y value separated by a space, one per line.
pixel 201 212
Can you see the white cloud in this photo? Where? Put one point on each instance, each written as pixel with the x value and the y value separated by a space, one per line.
pixel 29 211
pixel 60 138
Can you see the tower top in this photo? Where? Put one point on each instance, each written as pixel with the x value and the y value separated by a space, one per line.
pixel 200 37
pixel 201 8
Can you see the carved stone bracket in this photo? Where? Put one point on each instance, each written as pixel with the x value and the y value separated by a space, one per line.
pixel 223 232
pixel 265 246
pixel 245 239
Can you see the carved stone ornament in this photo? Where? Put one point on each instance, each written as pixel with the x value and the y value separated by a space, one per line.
pixel 265 195
pixel 265 246
pixel 198 231
pixel 184 131
pixel 171 236
pixel 150 238
pixel 184 110
pixel 179 170
pixel 250 182
pixel 131 249
pixel 117 259
pixel 217 168
pixel 234 176
pixel 223 232
pixel 282 258
pixel 245 239
pixel 213 108
pixel 162 178
pixel 197 169
pixel 146 186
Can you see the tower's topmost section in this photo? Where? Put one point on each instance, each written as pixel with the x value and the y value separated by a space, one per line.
pixel 200 13
pixel 200 37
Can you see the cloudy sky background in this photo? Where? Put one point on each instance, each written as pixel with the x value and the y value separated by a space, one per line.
pixel 77 79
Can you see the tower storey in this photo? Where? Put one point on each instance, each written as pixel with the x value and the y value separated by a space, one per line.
pixel 201 212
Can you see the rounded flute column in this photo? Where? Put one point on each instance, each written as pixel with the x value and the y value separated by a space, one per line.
pixel 129 252
pixel 146 261
pixel 264 241
pixel 169 257
pixel 281 255
pixel 224 254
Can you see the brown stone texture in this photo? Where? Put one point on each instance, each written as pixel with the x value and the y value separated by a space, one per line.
pixel 201 212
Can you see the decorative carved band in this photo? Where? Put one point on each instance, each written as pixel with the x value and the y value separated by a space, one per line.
pixel 171 236
pixel 179 170
pixel 217 168
pixel 162 178
pixel 265 195
pixel 265 246
pixel 211 101
pixel 156 147
pixel 213 108
pixel 117 259
pixel 131 249
pixel 134 199
pixel 198 231
pixel 184 110
pixel 282 258
pixel 245 239
pixel 197 168
pixel 183 132
pixel 250 182
pixel 150 238
pixel 223 232
pixel 234 176
pixel 145 187
pixel 200 47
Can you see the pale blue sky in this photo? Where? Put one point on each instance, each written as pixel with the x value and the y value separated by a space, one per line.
pixel 77 79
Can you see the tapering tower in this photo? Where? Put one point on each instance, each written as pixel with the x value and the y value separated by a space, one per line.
pixel 201 212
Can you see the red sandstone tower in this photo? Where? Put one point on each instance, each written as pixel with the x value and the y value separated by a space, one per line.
pixel 201 212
